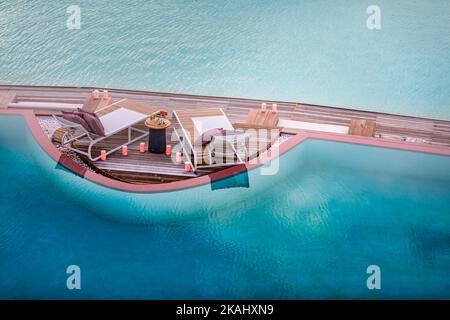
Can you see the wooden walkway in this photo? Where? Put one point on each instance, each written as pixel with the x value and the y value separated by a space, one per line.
pixel 387 126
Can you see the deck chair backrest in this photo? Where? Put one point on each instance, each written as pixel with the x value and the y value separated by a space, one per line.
pixel 68 124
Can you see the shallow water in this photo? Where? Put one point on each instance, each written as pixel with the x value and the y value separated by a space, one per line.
pixel 310 51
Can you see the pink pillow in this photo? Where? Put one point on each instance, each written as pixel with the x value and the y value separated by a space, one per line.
pixel 93 122
pixel 207 136
pixel 76 117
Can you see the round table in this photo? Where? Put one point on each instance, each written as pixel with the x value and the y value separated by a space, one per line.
pixel 157 134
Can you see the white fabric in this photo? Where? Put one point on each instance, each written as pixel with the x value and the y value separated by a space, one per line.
pixel 120 119
pixel 203 124
pixel 313 126
pixel 44 105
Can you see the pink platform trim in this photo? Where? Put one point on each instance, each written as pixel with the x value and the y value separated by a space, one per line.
pixel 72 165
pixel 68 163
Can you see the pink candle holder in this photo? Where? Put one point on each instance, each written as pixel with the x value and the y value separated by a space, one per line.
pixel 187 166
pixel 274 107
pixel 178 158
pixel 96 94
pixel 124 151
pixel 263 107
pixel 142 147
pixel 105 94
pixel 103 155
pixel 168 150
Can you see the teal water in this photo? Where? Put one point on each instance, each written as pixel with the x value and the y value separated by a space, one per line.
pixel 309 231
pixel 310 51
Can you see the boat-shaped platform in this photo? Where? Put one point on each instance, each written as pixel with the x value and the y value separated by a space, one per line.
pixel 148 168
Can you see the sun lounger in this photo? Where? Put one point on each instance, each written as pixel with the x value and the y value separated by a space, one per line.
pixel 259 119
pixel 226 149
pixel 114 118
pixel 233 147
pixel 193 123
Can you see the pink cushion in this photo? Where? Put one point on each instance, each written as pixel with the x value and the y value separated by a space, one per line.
pixel 95 126
pixel 76 117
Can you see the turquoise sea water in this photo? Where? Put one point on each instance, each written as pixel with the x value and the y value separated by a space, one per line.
pixel 309 231
pixel 310 51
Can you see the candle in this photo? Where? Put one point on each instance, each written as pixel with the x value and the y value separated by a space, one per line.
pixel 142 147
pixel 124 151
pixel 187 166
pixel 263 107
pixel 96 94
pixel 103 155
pixel 274 107
pixel 178 158
pixel 105 94
pixel 168 150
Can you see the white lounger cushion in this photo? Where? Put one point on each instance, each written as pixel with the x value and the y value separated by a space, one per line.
pixel 120 119
pixel 204 124
pixel 312 126
pixel 44 105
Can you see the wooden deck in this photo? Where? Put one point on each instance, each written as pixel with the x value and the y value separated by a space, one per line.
pixel 6 98
pixel 150 168
pixel 137 167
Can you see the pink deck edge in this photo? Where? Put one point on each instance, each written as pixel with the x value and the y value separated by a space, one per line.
pixel 57 156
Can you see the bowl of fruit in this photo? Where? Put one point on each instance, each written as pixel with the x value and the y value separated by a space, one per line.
pixel 157 122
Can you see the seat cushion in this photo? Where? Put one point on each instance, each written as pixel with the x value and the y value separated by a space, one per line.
pixel 76 117
pixel 207 137
pixel 94 123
